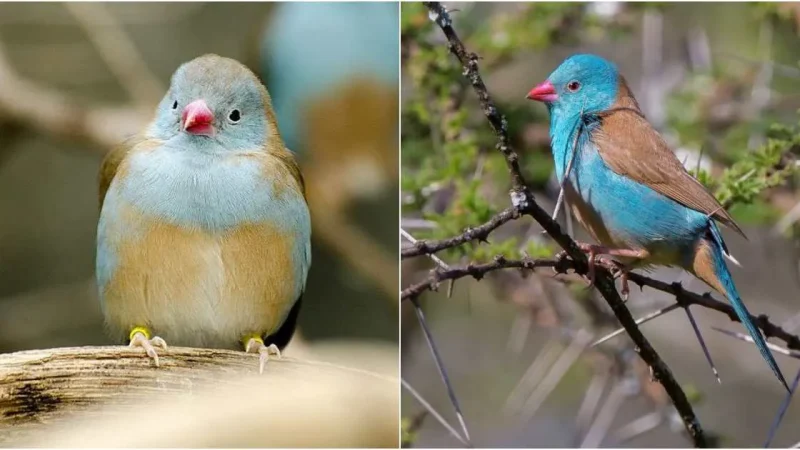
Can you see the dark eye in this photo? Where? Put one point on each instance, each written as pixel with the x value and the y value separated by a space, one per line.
pixel 175 105
pixel 573 86
pixel 235 115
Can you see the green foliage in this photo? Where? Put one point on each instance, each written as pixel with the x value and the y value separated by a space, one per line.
pixel 537 26
pixel 741 184
pixel 772 10
pixel 414 20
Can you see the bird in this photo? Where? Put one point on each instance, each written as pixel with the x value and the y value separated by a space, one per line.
pixel 628 189
pixel 204 234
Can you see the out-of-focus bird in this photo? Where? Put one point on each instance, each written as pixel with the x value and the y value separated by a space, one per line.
pixel 333 72
pixel 628 189
pixel 204 232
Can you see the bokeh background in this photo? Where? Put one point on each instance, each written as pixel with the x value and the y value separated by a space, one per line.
pixel 75 79
pixel 717 80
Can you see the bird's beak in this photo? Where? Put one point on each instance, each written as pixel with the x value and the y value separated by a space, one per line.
pixel 198 119
pixel 544 92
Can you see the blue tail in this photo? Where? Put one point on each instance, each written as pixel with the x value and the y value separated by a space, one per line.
pixel 709 255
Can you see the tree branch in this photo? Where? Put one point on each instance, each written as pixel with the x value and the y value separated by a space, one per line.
pixel 523 200
pixel 479 233
pixel 476 271
pixel 684 298
pixel 53 397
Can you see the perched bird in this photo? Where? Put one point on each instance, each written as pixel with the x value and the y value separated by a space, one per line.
pixel 204 232
pixel 628 189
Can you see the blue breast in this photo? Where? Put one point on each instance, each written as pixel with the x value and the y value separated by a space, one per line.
pixel 632 213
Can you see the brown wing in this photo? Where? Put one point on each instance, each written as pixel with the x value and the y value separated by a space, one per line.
pixel 631 147
pixel 110 165
pixel 286 157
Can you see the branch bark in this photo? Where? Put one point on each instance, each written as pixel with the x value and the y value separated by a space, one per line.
pixel 114 396
pixel 479 233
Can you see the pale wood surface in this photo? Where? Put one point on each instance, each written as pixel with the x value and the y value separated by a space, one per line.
pixel 114 396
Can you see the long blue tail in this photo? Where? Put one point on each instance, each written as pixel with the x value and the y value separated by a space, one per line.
pixel 709 266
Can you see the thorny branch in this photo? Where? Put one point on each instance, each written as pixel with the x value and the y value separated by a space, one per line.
pixel 479 233
pixel 684 298
pixel 523 200
pixel 476 271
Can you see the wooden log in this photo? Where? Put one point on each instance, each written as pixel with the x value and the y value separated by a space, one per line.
pixel 115 396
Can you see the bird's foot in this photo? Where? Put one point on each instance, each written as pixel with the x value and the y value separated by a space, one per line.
pixel 140 337
pixel 586 248
pixel 594 251
pixel 265 352
pixel 619 271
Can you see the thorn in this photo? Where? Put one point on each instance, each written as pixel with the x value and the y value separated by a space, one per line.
pixel 558 202
pixel 532 376
pixel 568 170
pixel 440 366
pixel 556 373
pixel 605 417
pixel 702 344
pixel 773 429
pixel 433 411
pixel 638 427
pixel 744 337
pixel 639 321
pixel 730 258
pixel 591 400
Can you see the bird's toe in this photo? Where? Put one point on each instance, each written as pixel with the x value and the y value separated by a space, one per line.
pixel 265 352
pixel 139 338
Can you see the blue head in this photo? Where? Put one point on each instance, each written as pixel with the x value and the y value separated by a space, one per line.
pixel 215 105
pixel 582 83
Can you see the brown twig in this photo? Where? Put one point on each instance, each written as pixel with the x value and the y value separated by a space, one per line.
pixel 684 298
pixel 479 233
pixel 523 200
pixel 476 271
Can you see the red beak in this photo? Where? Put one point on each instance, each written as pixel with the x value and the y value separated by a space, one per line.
pixel 198 119
pixel 544 92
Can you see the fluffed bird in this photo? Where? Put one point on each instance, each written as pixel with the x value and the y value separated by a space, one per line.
pixel 204 231
pixel 628 189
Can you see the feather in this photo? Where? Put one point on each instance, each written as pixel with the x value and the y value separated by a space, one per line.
pixel 631 147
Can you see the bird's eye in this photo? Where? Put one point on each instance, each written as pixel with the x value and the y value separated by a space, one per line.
pixel 175 105
pixel 574 86
pixel 235 116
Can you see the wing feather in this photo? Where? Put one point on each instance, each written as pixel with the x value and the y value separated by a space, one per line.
pixel 631 147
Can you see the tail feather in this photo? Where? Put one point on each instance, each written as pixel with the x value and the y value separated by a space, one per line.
pixel 709 266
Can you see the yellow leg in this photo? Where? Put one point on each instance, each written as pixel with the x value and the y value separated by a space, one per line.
pixel 254 344
pixel 140 337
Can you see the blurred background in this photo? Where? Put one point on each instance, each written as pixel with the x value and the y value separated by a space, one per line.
pixel 76 79
pixel 722 84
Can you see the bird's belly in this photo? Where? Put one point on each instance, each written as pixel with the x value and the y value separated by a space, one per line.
pixel 196 288
pixel 201 253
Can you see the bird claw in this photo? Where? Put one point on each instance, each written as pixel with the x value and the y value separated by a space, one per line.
pixel 265 353
pixel 139 339
pixel 594 253
pixel 621 273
